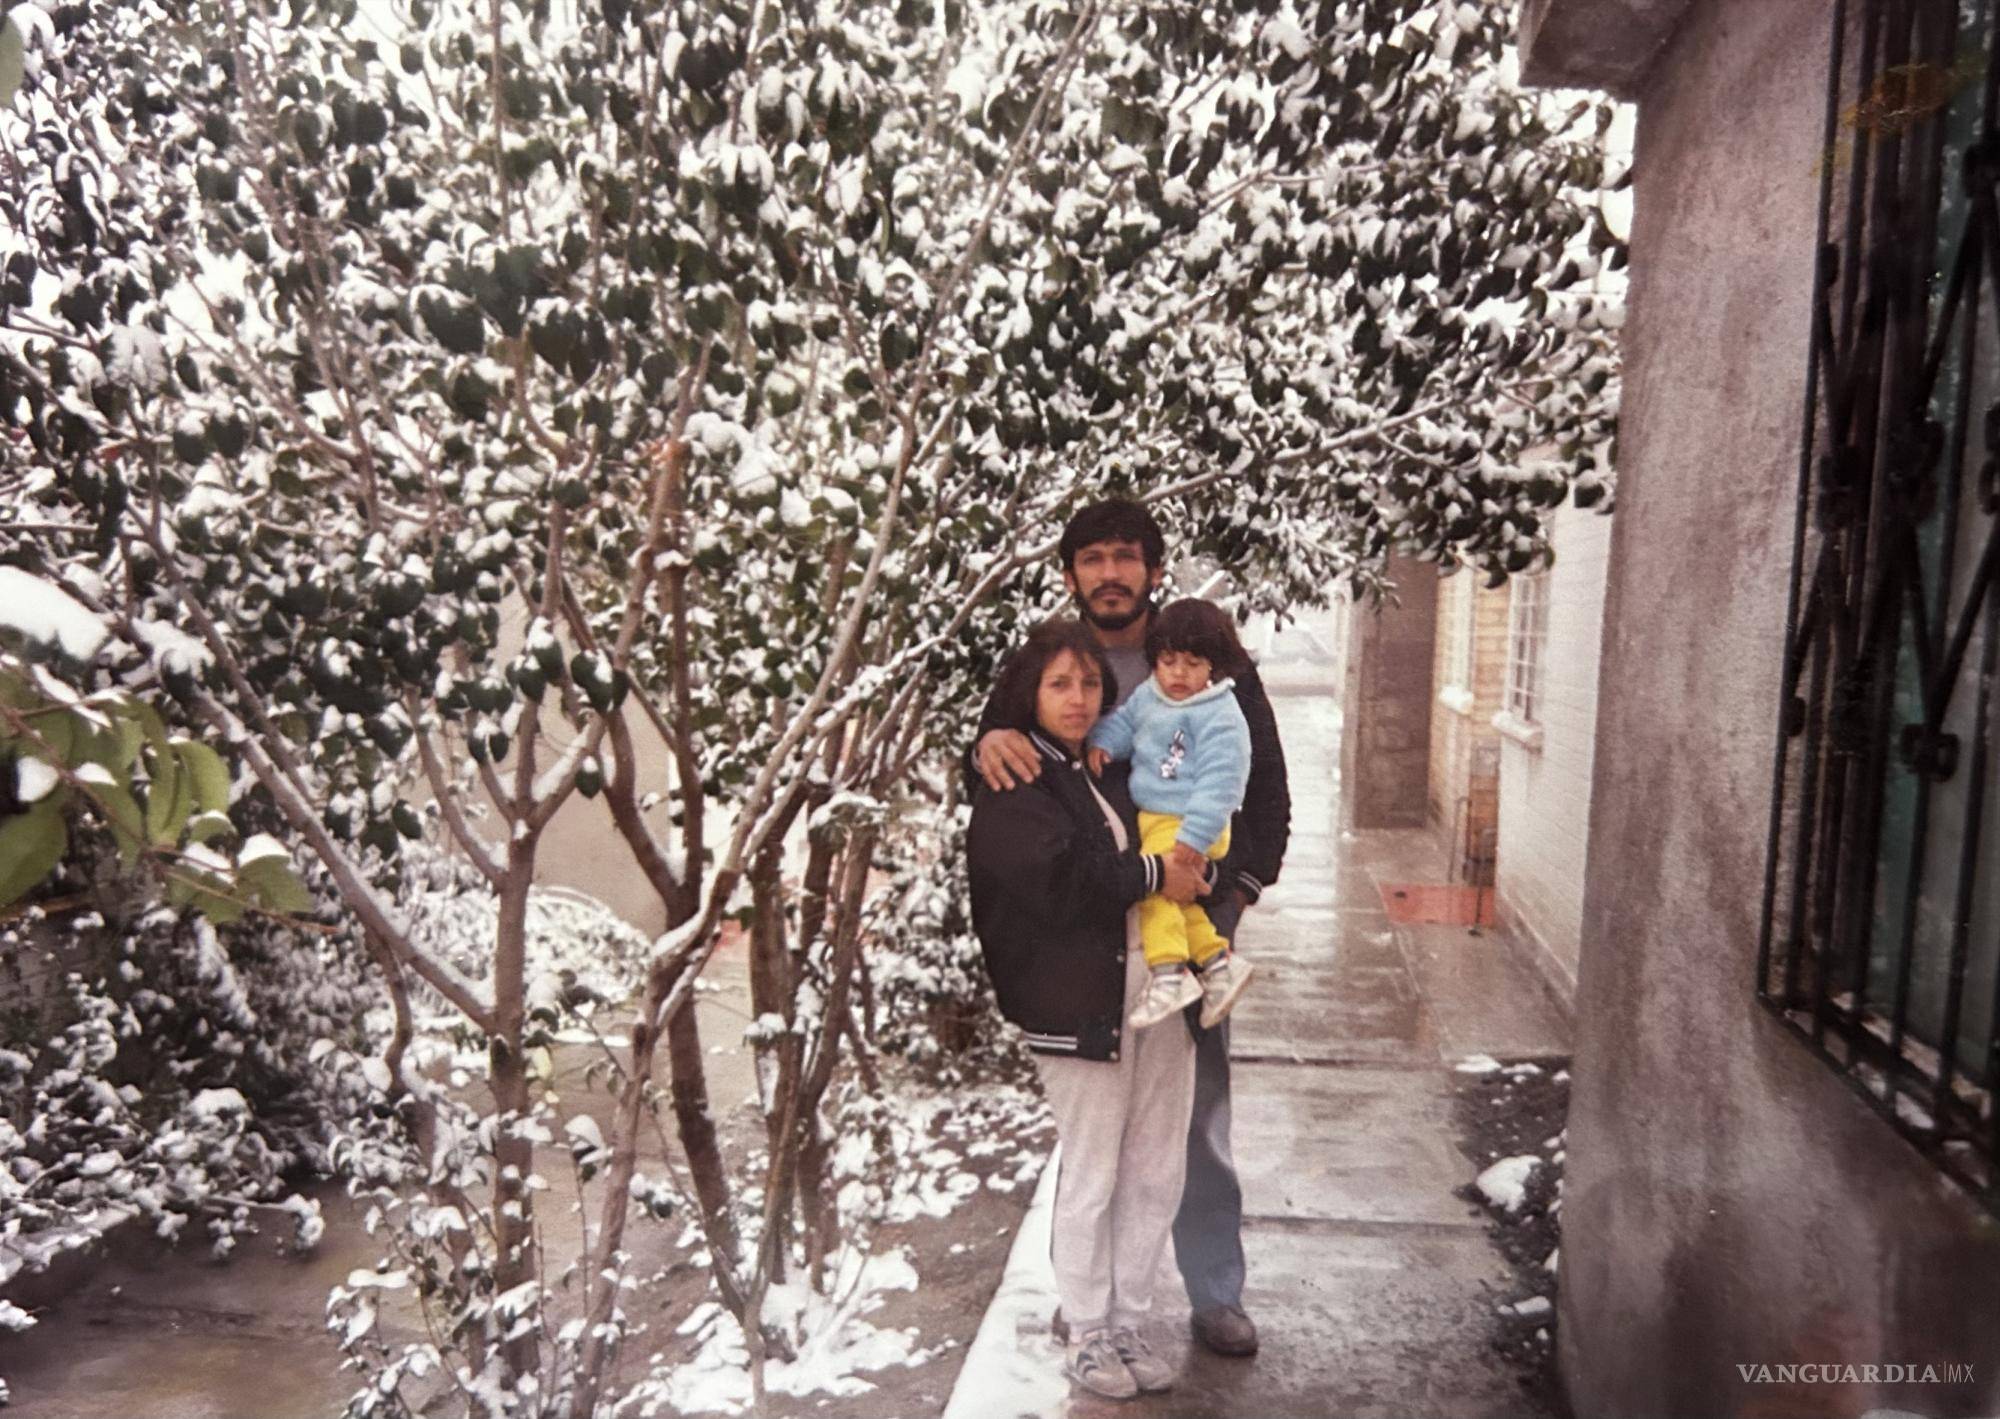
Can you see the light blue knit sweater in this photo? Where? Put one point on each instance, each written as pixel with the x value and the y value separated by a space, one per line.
pixel 1189 758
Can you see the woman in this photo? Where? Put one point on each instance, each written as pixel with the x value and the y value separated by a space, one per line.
pixel 1054 878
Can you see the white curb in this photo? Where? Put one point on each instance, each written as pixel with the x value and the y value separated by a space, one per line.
pixel 1013 1368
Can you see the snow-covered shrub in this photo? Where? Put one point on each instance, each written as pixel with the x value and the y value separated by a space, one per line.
pixel 160 1013
pixel 933 1000
pixel 425 1161
pixel 155 1066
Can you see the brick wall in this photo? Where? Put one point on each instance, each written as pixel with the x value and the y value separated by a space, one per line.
pixel 1387 693
pixel 1463 741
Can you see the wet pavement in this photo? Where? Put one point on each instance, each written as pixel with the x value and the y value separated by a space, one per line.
pixel 1372 1285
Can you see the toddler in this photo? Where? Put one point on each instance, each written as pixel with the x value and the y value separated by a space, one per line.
pixel 1190 751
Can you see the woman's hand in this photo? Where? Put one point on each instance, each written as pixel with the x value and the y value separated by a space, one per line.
pixel 1181 883
pixel 1097 759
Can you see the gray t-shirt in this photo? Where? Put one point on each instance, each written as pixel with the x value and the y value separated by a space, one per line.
pixel 1129 667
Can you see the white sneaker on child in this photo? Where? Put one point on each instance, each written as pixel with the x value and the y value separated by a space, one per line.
pixel 1171 989
pixel 1221 982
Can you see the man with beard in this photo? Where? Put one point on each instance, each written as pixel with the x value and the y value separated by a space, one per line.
pixel 1112 560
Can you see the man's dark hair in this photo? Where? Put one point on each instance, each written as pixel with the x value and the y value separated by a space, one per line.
pixel 1113 520
pixel 1021 677
pixel 1196 627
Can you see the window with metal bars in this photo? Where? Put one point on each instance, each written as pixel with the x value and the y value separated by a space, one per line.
pixel 1881 916
pixel 1527 642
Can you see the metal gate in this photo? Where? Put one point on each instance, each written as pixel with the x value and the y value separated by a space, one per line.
pixel 1881 914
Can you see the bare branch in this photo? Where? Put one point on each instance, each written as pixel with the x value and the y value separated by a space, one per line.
pixel 445 794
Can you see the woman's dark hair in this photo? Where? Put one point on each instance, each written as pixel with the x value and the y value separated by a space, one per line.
pixel 1021 677
pixel 1112 520
pixel 1196 627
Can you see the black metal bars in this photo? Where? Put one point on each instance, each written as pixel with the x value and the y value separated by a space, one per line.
pixel 1880 942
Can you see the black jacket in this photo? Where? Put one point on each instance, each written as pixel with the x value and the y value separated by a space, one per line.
pixel 1262 828
pixel 1050 890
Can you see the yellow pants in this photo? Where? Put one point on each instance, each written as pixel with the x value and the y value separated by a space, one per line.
pixel 1173 934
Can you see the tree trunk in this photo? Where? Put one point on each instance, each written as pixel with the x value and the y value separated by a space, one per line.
pixel 772 982
pixel 517 1258
pixel 700 1141
pixel 772 979
pixel 801 1110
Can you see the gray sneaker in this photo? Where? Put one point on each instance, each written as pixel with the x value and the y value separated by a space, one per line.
pixel 1149 1371
pixel 1221 983
pixel 1094 1363
pixel 1168 992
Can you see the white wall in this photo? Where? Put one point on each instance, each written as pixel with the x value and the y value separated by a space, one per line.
pixel 1545 792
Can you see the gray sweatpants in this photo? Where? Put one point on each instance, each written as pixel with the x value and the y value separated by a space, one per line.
pixel 1123 1126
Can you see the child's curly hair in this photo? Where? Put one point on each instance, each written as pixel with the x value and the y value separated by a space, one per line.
pixel 1196 627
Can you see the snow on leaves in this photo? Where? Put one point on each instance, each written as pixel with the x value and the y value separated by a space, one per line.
pixel 430 406
pixel 69 745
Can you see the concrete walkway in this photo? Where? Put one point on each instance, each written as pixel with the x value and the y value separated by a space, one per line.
pixel 1372 1285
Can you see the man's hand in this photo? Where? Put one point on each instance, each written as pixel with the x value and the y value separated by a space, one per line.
pixel 1188 857
pixel 1097 759
pixel 1005 759
pixel 1180 883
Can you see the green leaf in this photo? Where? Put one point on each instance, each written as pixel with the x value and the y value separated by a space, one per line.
pixel 208 895
pixel 274 886
pixel 31 844
pixel 207 826
pixel 126 737
pixel 128 824
pixel 60 733
pixel 210 775
pixel 154 729
pixel 168 800
pixel 457 325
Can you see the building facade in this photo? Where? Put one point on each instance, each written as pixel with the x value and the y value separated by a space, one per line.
pixel 1547 723
pixel 1779 1195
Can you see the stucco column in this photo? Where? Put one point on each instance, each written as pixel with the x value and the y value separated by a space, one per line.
pixel 1598 44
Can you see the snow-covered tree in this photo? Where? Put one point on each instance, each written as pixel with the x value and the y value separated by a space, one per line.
pixel 753 355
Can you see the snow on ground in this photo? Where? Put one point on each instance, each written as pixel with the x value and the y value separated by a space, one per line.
pixel 1505 1184
pixel 840 1343
pixel 931 1134
pixel 930 1178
